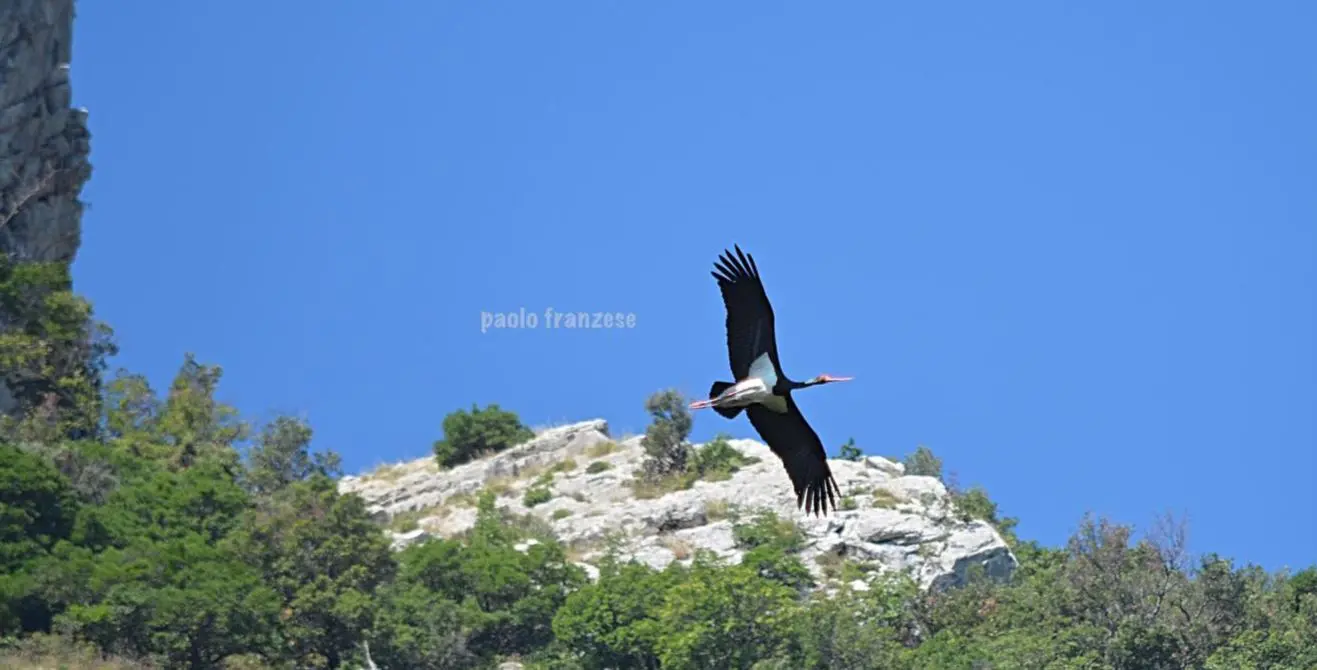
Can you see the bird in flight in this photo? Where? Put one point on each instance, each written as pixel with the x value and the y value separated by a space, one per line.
pixel 762 390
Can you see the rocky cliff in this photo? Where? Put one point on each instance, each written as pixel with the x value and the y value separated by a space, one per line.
pixel 896 521
pixel 44 143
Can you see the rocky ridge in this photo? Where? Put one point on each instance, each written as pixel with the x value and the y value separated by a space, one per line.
pixel 893 520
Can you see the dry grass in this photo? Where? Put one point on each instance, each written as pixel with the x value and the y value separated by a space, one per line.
pixel 463 499
pixel 645 489
pixel 499 486
pixel 681 549
pixel 388 472
pixel 538 471
pixel 601 449
pixel 716 510
pixel 886 499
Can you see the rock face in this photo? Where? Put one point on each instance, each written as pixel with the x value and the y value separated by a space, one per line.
pixel 43 142
pixel 896 521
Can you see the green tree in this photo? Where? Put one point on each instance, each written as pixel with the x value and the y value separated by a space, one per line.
pixel 666 449
pixel 37 510
pixel 469 435
pixel 181 600
pixel 614 622
pixel 725 617
pixel 850 452
pixel 856 629
pixel 37 507
pixel 975 504
pixel 52 352
pixel 416 627
pixel 323 555
pixel 282 455
pixel 195 425
pixel 510 594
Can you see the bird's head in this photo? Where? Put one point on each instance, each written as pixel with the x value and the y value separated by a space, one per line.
pixel 826 379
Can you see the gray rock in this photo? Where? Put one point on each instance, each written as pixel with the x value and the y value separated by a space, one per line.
pixel 901 523
pixel 44 145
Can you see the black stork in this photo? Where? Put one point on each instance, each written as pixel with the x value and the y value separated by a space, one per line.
pixel 763 390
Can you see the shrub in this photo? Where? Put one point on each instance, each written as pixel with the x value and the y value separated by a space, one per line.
pixel 469 435
pixel 665 439
pixel 499 486
pixel 536 495
pixel 850 452
pixel 975 504
pixel 923 463
pixel 597 467
pixel 768 529
pixel 831 563
pixel 885 499
pixel 561 514
pixel 718 459
pixel 645 488
pixel 716 510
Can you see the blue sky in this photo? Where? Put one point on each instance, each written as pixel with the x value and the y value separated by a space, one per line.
pixel 1071 249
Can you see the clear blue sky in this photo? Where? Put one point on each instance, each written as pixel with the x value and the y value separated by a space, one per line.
pixel 1070 249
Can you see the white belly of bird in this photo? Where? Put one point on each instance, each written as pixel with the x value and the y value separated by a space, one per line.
pixel 745 393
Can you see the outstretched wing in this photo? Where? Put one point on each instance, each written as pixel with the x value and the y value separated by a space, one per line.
pixel 749 315
pixel 801 451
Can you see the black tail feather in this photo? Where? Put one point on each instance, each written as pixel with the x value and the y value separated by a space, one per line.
pixel 717 390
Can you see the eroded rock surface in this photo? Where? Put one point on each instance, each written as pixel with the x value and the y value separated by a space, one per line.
pixel 898 522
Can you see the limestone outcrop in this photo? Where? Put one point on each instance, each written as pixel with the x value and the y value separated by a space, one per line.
pixel 896 521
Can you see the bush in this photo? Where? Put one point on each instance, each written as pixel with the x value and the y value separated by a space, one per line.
pixel 850 452
pixel 597 467
pixel 923 463
pixel 536 495
pixel 768 529
pixel 470 435
pixel 665 439
pixel 975 504
pixel 718 459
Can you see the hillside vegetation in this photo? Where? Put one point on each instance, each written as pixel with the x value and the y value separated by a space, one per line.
pixel 159 529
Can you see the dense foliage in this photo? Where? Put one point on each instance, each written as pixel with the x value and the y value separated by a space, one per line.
pixel 167 532
pixel 480 432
